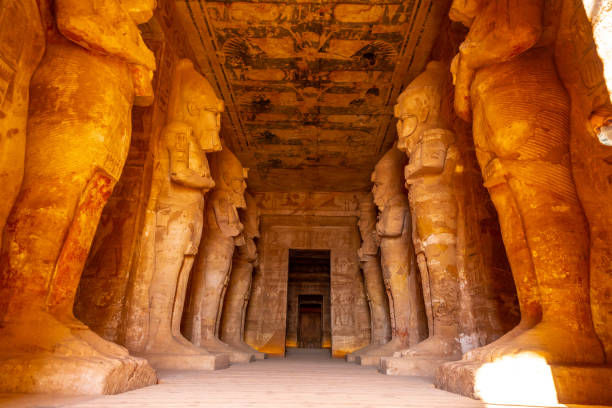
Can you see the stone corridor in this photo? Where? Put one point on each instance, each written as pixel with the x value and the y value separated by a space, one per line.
pixel 306 378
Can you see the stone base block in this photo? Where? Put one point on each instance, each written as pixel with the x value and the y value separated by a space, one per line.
pixel 414 366
pixel 369 361
pixel 46 373
pixel 527 380
pixel 237 356
pixel 352 358
pixel 212 361
pixel 260 356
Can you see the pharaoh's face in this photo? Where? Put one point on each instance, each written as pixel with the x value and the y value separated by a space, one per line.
pixel 378 190
pixel 237 184
pixel 409 113
pixel 206 119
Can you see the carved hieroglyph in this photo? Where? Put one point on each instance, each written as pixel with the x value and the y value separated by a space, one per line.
pixel 95 67
pixel 397 258
pixel 214 262
pixel 372 274
pixel 192 130
pixel 522 137
pixel 429 178
pixel 239 288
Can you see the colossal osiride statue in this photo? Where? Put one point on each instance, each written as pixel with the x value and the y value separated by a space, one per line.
pixel 372 274
pixel 95 67
pixel 193 130
pixel 22 43
pixel 223 232
pixel 239 289
pixel 507 84
pixel 429 177
pixel 397 259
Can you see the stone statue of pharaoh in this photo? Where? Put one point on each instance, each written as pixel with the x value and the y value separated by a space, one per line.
pixel 95 67
pixel 239 289
pixel 394 231
pixel 372 273
pixel 194 118
pixel 507 84
pixel 429 178
pixel 212 270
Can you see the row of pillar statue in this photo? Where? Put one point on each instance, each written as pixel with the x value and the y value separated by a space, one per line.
pixel 506 84
pixel 68 113
pixel 416 232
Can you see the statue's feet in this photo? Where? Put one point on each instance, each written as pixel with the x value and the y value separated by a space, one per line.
pixel 438 347
pixel 103 346
pixel 488 352
pixel 41 332
pixel 388 349
pixel 215 344
pixel 555 343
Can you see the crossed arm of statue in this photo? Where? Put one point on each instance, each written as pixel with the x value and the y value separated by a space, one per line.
pixel 227 217
pixel 501 30
pixel 103 25
pixel 179 139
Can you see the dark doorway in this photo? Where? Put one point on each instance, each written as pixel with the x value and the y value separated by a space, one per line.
pixel 310 321
pixel 308 302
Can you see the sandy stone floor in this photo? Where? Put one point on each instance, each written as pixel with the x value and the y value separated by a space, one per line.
pixel 306 378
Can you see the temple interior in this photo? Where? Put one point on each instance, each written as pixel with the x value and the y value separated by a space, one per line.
pixel 386 202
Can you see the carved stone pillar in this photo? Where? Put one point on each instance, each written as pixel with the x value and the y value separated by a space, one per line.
pixel 507 84
pixel 214 262
pixel 95 67
pixel 184 177
pixel 372 273
pixel 398 263
pixel 239 289
pixel 429 177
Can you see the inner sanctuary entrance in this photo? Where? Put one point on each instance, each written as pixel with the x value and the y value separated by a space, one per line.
pixel 330 203
pixel 308 299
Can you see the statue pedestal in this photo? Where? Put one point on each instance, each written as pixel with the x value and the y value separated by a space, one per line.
pixel 414 366
pixel 369 360
pixel 527 380
pixel 48 373
pixel 235 355
pixel 211 361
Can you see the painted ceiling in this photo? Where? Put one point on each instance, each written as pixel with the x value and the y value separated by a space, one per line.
pixel 309 87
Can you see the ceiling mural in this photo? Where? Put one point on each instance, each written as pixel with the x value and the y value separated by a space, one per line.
pixel 310 86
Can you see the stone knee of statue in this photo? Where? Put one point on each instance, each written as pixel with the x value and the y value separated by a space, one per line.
pixel 224 231
pixel 184 177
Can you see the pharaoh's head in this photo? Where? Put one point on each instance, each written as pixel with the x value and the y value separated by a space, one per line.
pixel 418 107
pixel 230 176
pixel 388 177
pixel 464 11
pixel 193 101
